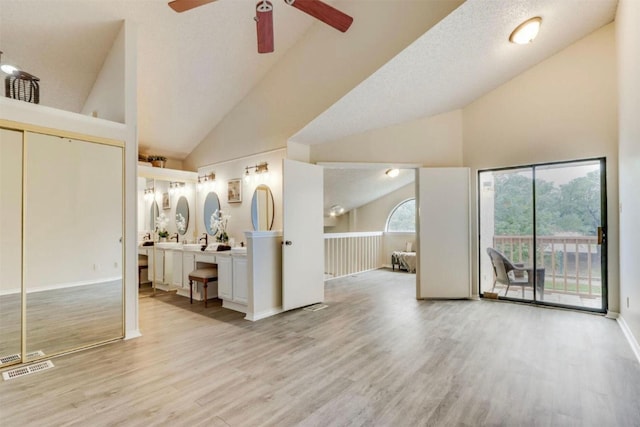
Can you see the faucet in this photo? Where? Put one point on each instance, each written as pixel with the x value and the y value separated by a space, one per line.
pixel 146 236
pixel 175 236
pixel 205 237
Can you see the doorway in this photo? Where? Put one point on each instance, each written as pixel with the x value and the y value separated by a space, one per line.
pixel 369 219
pixel 551 216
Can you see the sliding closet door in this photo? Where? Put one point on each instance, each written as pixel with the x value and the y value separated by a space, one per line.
pixel 10 245
pixel 73 243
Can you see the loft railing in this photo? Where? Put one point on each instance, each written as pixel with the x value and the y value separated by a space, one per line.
pixel 350 253
pixel 571 263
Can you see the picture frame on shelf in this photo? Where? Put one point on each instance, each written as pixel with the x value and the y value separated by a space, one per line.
pixel 234 190
pixel 166 201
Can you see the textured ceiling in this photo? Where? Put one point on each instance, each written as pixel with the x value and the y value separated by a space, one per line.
pixel 193 67
pixel 355 187
pixel 461 58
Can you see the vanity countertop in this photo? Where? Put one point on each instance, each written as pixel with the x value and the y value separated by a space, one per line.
pixel 191 247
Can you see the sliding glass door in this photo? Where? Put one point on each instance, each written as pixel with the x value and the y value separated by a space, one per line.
pixel 550 216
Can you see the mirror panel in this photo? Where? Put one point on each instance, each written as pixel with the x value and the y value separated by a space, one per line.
pixel 262 208
pixel 154 211
pixel 73 265
pixel 11 245
pixel 182 215
pixel 211 204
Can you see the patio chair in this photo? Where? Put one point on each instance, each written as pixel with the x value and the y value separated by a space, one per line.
pixel 508 273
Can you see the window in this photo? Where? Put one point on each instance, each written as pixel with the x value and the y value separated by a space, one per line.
pixel 403 217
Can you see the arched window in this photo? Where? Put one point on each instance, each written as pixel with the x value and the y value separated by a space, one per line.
pixel 403 217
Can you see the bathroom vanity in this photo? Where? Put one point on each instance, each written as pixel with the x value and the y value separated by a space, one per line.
pixel 249 279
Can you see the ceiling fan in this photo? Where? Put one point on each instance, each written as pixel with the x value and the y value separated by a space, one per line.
pixel 264 16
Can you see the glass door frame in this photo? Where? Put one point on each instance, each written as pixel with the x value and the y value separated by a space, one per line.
pixel 603 221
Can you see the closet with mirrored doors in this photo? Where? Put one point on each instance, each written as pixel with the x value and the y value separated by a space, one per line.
pixel 61 251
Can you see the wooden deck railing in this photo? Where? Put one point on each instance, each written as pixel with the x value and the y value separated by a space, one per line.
pixel 349 253
pixel 571 263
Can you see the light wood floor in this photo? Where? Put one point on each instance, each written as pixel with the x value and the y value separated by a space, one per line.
pixel 62 319
pixel 375 356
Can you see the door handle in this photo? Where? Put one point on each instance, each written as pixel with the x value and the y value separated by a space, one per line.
pixel 601 235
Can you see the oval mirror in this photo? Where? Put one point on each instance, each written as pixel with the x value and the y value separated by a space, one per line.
pixel 262 208
pixel 211 205
pixel 153 214
pixel 182 215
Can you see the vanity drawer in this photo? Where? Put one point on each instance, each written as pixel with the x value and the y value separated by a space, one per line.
pixel 208 258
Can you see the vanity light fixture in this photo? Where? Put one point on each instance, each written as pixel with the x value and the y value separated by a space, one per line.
pixel 149 193
pixel 393 172
pixel 206 181
pixel 261 170
pixel 176 187
pixel 527 31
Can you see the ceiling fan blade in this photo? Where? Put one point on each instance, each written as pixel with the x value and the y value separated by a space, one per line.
pixel 264 26
pixel 325 13
pixel 184 5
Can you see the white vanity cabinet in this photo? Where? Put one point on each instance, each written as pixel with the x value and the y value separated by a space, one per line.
pixel 158 266
pixel 225 277
pixel 177 267
pixel 240 285
pixel 233 288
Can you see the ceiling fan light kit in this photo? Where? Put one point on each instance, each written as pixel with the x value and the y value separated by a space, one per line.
pixel 264 17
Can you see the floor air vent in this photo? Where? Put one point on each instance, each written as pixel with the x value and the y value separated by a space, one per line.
pixel 5 360
pixel 316 307
pixel 26 370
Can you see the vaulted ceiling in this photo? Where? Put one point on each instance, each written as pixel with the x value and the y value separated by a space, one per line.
pixel 194 67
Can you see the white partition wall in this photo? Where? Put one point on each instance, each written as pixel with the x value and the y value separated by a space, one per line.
pixel 444 264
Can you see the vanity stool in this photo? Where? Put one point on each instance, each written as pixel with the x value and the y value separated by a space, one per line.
pixel 204 276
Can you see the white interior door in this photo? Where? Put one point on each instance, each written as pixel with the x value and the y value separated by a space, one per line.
pixel 303 248
pixel 444 263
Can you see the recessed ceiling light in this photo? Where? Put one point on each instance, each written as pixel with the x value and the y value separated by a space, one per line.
pixel 336 210
pixel 392 172
pixel 526 32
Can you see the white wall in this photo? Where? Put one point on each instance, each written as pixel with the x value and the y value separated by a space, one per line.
pixel 373 216
pixel 628 43
pixel 430 141
pixel 10 211
pixel 317 71
pixel 240 220
pixel 564 108
pixel 106 99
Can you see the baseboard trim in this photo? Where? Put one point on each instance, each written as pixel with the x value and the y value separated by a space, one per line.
pixel 629 336
pixel 263 314
pixel 242 308
pixel 612 315
pixel 132 334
